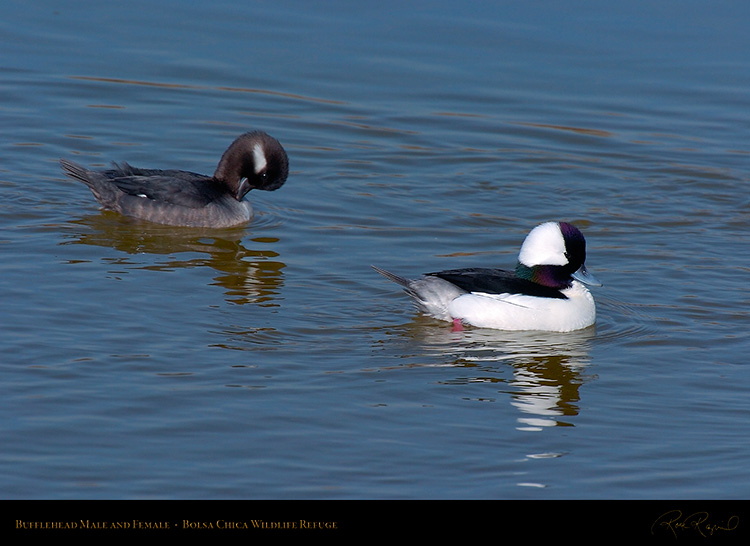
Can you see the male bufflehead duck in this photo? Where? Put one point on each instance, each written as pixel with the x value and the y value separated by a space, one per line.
pixel 181 198
pixel 546 291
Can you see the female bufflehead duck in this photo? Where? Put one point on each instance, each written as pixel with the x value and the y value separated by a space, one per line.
pixel 181 198
pixel 546 291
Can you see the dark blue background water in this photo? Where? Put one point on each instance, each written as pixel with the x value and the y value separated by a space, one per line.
pixel 270 361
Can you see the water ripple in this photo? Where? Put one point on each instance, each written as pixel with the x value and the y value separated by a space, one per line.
pixel 618 320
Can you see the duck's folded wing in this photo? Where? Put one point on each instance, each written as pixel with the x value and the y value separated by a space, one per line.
pixel 495 281
pixel 185 189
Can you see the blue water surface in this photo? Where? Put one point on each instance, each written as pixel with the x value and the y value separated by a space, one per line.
pixel 269 361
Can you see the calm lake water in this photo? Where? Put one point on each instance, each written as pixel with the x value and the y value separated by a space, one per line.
pixel 270 361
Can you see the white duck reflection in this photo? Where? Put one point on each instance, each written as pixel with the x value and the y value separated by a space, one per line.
pixel 547 367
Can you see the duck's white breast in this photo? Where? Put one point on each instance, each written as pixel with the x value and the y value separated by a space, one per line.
pixel 520 312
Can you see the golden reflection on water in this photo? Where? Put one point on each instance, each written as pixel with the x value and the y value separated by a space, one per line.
pixel 247 275
pixel 145 83
pixel 577 130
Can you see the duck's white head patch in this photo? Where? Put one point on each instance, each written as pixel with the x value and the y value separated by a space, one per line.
pixel 259 157
pixel 544 245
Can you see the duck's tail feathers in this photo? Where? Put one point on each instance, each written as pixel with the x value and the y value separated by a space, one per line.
pixel 74 170
pixel 393 277
pixel 431 295
pixel 104 191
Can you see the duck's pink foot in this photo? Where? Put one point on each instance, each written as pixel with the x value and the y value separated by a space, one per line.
pixel 458 326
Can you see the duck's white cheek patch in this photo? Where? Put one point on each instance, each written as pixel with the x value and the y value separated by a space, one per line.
pixel 544 245
pixel 260 159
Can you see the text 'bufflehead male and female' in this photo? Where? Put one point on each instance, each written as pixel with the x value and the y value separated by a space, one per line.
pixel 546 292
pixel 254 160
